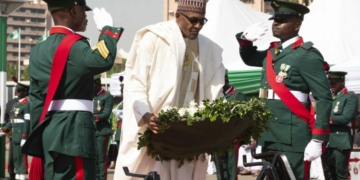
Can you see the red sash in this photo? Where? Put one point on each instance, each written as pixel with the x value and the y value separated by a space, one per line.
pixel 285 95
pixel 58 65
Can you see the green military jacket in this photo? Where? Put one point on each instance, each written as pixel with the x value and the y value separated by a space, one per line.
pixel 75 137
pixel 305 73
pixel 343 112
pixel 19 122
pixel 103 103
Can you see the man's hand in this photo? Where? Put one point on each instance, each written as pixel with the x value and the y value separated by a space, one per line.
pixel 153 123
pixel 102 18
pixel 254 32
pixel 313 150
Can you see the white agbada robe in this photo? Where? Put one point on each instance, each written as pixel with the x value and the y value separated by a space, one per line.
pixel 153 76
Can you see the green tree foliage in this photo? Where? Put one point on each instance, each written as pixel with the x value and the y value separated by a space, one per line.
pixel 11 71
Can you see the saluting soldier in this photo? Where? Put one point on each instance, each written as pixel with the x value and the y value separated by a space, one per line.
pixel 66 136
pixel 226 164
pixel 19 127
pixel 343 113
pixel 291 70
pixel 103 103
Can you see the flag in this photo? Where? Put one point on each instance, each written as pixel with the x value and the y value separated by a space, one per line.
pixel 15 35
pixel 44 37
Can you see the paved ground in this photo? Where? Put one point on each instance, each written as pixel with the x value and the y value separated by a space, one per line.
pixel 210 177
pixel 111 171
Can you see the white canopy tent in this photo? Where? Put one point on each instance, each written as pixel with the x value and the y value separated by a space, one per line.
pixel 226 19
pixel 333 27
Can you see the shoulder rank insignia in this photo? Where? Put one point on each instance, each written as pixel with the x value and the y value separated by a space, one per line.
pixel 101 47
pixel 307 45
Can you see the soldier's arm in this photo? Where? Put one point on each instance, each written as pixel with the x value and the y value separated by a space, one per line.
pixel 7 127
pixel 102 57
pixel 36 102
pixel 312 72
pixel 26 128
pixel 105 113
pixel 248 52
pixel 348 112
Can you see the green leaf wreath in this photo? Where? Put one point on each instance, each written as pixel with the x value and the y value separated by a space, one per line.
pixel 219 109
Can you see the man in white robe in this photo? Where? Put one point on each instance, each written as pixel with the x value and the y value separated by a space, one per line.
pixel 169 64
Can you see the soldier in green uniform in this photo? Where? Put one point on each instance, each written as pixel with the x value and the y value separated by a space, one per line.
pixel 103 102
pixel 66 137
pixel 19 126
pixel 226 164
pixel 291 70
pixel 344 109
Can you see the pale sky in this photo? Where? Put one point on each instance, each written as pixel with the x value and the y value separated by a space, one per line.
pixel 132 15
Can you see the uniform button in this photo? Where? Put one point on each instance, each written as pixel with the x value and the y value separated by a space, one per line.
pixel 337 132
pixel 265 82
pixel 264 87
pixel 118 29
pixel 276 119
pixel 263 69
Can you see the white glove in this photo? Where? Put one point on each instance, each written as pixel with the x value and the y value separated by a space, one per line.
pixel 22 142
pixel 102 18
pixel 255 31
pixel 313 150
pixel 2 134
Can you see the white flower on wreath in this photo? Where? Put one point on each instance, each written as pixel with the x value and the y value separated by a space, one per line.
pixel 192 103
pixel 182 112
pixel 166 108
pixel 201 106
pixel 192 110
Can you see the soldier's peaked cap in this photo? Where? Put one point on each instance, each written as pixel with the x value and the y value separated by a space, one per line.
pixel 54 5
pixel 20 86
pixel 336 74
pixel 286 9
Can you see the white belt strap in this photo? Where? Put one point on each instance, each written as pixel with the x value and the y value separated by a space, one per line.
pixel 27 116
pixel 302 97
pixel 71 105
pixel 18 121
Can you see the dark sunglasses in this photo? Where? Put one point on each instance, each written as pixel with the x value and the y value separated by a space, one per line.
pixel 332 81
pixel 194 20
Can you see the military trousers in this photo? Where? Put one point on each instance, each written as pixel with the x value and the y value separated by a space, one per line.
pixel 11 168
pixel 339 170
pixel 20 159
pixel 101 160
pixel 69 167
pixel 296 160
pixel 228 165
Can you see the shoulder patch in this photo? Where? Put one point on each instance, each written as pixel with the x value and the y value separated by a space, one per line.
pixel 101 47
pixel 307 45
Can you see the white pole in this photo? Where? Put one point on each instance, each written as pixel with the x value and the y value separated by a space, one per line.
pixel 19 54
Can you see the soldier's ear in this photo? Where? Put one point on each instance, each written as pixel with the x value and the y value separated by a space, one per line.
pixel 72 11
